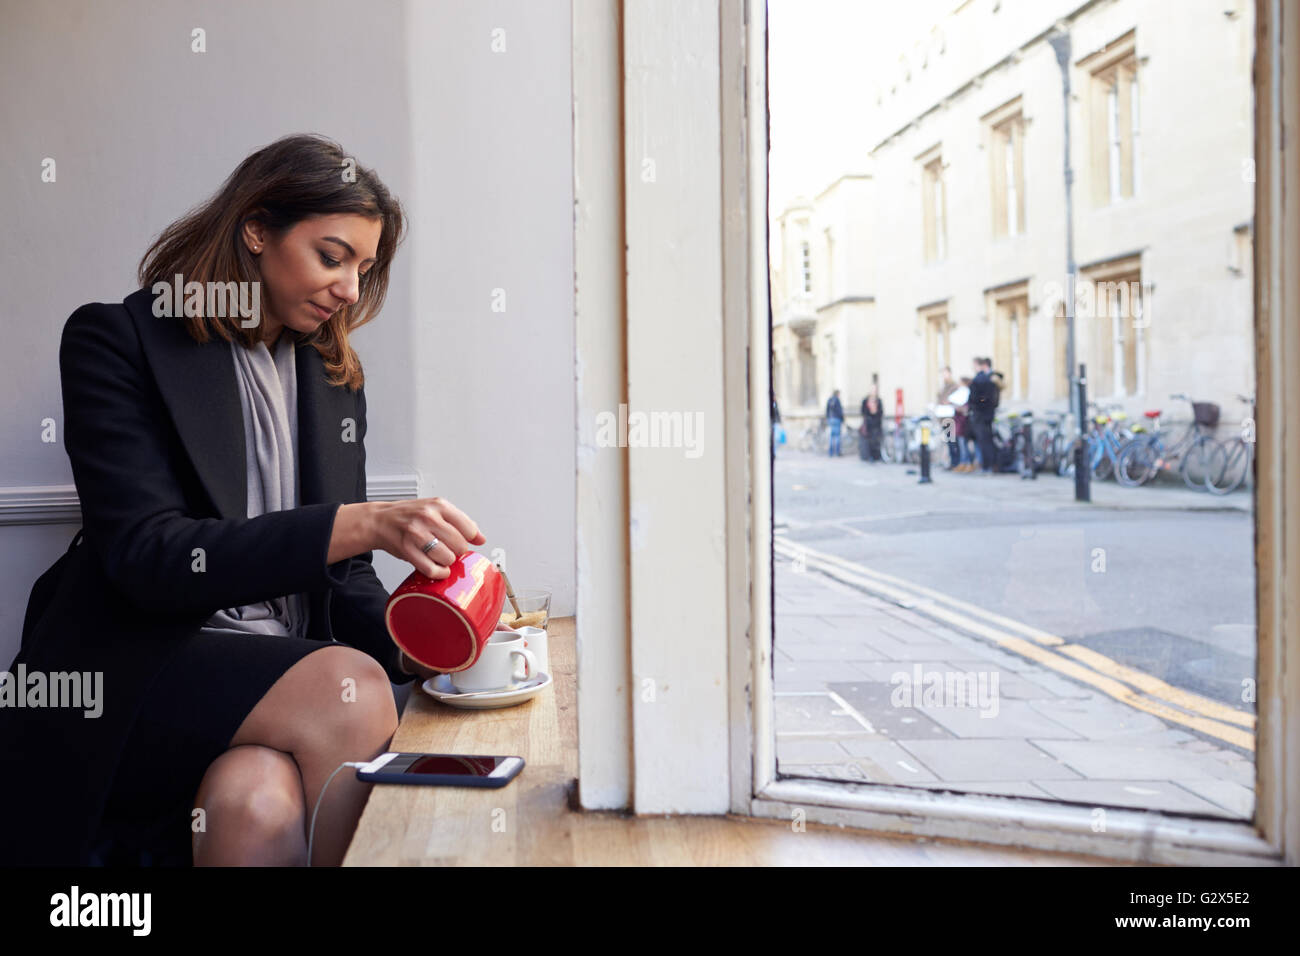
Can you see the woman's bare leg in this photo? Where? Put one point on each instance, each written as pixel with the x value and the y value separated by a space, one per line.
pixel 335 704
pixel 253 809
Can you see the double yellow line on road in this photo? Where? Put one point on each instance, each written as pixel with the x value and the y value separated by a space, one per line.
pixel 1128 686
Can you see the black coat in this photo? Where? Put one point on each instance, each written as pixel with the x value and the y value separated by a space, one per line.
pixel 154 429
pixel 983 397
pixel 873 424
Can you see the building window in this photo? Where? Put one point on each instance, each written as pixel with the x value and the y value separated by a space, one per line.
pixel 805 260
pixel 1115 123
pixel 1006 150
pixel 1117 329
pixel 939 226
pixel 1135 168
pixel 1011 339
pixel 1061 346
pixel 937 345
pixel 934 207
pixel 1115 145
pixel 1012 193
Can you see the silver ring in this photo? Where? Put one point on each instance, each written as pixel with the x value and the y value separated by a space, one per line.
pixel 433 543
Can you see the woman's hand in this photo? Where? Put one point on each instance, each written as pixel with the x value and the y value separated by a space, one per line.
pixel 421 672
pixel 403 528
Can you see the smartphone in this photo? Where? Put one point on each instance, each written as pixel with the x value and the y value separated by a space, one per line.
pixel 441 770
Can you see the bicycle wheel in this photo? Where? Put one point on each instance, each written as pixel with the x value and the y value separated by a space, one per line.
pixel 1065 460
pixel 887 448
pixel 1195 465
pixel 1020 455
pixel 1103 466
pixel 940 454
pixel 1137 464
pixel 1228 465
pixel 1062 453
pixel 1043 450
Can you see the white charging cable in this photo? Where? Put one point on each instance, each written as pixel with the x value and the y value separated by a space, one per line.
pixel 312 832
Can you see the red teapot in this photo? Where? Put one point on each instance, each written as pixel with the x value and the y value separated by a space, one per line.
pixel 443 624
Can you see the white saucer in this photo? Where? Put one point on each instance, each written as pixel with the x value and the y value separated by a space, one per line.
pixel 441 688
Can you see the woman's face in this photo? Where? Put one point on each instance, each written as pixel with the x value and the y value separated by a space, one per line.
pixel 312 272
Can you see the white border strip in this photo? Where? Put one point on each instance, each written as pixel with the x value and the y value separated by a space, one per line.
pixel 60 504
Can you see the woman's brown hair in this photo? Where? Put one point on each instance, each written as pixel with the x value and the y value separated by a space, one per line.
pixel 294 178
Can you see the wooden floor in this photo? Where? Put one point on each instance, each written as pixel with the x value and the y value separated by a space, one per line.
pixel 534 820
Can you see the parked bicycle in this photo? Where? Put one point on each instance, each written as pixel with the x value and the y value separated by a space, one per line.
pixel 1232 460
pixel 1111 434
pixel 1148 455
pixel 909 438
pixel 817 437
pixel 808 437
pixel 1019 439
pixel 1050 443
pixel 1108 433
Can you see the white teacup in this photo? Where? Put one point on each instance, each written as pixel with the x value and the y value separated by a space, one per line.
pixel 494 669
pixel 535 641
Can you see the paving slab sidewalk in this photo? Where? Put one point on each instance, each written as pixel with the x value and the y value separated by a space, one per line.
pixel 870 691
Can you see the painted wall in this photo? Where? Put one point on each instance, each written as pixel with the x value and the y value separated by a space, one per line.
pixel 462 109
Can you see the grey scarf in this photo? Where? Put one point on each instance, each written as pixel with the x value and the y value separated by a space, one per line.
pixel 268 394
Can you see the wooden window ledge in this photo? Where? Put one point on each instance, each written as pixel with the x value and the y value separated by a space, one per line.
pixel 535 820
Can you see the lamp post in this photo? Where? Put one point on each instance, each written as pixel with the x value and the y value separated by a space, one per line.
pixel 1060 41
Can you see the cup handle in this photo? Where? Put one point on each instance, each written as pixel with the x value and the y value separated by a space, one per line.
pixel 530 664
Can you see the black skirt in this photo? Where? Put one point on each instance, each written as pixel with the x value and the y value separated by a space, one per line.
pixel 195 706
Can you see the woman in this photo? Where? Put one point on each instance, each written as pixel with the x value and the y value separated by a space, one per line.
pixel 873 424
pixel 223 584
pixel 962 430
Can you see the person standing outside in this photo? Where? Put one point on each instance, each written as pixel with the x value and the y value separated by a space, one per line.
pixel 778 430
pixel 983 402
pixel 962 430
pixel 873 417
pixel 835 418
pixel 948 424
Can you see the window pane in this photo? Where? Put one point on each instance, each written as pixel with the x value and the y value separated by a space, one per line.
pixel 1121 631
pixel 1112 130
pixel 1009 163
pixel 1133 135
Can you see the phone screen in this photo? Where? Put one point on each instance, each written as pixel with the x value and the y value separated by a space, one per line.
pixel 452 765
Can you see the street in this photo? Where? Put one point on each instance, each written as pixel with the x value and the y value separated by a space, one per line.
pixel 1122 627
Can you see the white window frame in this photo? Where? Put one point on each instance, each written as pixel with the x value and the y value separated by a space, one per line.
pixel 675 697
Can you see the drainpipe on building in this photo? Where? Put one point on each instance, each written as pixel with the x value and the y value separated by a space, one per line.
pixel 1060 41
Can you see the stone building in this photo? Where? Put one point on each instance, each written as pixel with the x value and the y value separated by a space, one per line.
pixel 966 252
pixel 822 308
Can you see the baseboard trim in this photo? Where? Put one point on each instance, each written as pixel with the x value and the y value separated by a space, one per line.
pixel 59 504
